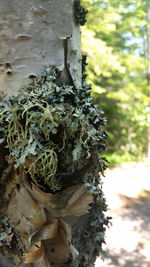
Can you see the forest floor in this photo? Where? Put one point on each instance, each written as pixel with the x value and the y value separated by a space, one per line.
pixel 127 190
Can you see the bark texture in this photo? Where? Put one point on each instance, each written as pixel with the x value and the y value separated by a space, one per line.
pixel 35 34
pixel 50 138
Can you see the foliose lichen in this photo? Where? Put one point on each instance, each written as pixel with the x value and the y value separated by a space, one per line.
pixel 80 13
pixel 55 132
pixel 57 135
pixel 89 240
pixel 5 232
pixel 89 237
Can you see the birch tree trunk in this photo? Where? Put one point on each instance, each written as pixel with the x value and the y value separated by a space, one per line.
pixel 44 227
pixel 36 34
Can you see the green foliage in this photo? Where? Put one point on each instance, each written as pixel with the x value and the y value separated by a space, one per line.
pixel 54 131
pixel 118 158
pixel 113 40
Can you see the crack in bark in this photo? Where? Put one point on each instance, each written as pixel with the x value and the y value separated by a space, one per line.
pixel 65 76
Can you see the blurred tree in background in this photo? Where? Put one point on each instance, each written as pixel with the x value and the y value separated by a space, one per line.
pixel 116 39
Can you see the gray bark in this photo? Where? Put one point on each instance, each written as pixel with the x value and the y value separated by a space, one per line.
pixel 36 223
pixel 34 34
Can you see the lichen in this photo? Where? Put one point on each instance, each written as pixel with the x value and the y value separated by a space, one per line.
pixel 54 131
pixel 90 237
pixel 55 134
pixel 5 232
pixel 80 13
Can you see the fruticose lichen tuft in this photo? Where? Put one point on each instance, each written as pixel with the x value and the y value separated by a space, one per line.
pixel 55 132
pixel 53 135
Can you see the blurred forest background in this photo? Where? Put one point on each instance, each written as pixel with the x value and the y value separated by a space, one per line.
pixel 116 40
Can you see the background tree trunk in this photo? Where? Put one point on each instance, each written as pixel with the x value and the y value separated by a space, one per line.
pixel 147 56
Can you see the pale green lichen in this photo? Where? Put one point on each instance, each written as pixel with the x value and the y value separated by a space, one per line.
pixel 53 131
pixel 56 134
pixel 45 165
pixel 5 232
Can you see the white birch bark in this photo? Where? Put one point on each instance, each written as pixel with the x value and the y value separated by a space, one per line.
pixel 34 34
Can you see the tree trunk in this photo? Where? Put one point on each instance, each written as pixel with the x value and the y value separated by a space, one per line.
pixel 50 138
pixel 147 56
pixel 36 34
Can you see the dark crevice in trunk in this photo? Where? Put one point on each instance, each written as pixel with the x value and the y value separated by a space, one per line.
pixel 65 77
